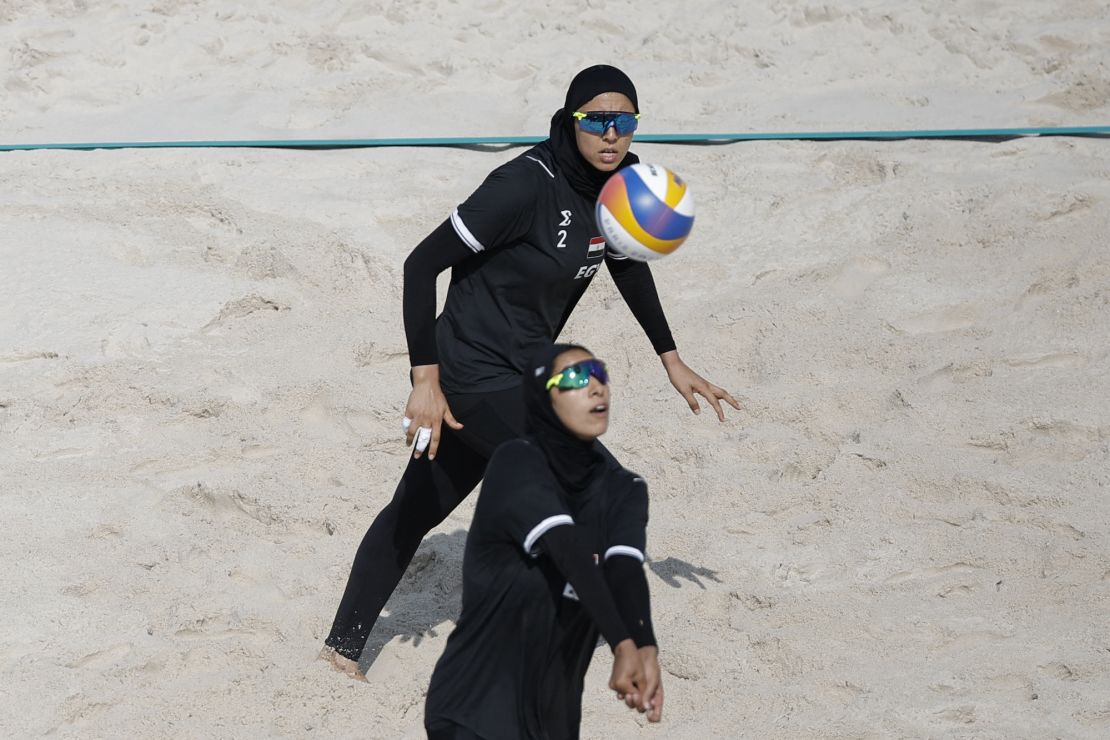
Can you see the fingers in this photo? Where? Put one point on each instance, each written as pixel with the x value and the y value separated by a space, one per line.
pixel 707 390
pixel 656 712
pixel 426 432
pixel 650 687
pixel 627 677
pixel 688 383
pixel 425 436
pixel 437 429
pixel 715 394
pixel 434 436
pixel 625 688
pixel 691 399
pixel 451 421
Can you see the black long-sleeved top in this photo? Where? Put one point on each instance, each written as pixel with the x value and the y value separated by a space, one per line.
pixel 540 576
pixel 522 250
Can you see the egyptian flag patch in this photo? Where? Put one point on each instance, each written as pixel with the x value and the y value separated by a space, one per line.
pixel 596 250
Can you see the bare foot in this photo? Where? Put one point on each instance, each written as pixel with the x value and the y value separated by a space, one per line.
pixel 342 663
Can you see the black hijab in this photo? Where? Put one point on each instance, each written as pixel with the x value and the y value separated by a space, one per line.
pixel 574 461
pixel 586 85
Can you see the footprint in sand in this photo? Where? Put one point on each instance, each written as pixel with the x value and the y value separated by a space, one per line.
pixel 15 357
pixel 957 373
pixel 210 219
pixel 62 453
pixel 258 452
pixel 855 276
pixel 1071 360
pixel 1085 94
pixel 1062 441
pixel 102 658
pixel 168 472
pixel 925 573
pixel 949 640
pixel 969 371
pixel 241 308
pixel 228 625
pixel 1046 286
pixel 1061 671
pixel 78 711
pixel 1067 204
pixel 224 504
pixel 941 319
pixel 963 715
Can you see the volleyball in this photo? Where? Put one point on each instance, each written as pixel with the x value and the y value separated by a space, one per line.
pixel 645 212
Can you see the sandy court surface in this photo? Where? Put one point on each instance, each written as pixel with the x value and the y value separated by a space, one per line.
pixel 202 367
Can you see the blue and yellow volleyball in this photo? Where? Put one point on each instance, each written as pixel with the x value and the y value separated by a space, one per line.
pixel 645 212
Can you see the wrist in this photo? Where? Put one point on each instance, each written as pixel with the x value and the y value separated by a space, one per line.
pixel 670 359
pixel 625 646
pixel 425 374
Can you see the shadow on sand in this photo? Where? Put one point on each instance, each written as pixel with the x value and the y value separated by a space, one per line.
pixel 429 594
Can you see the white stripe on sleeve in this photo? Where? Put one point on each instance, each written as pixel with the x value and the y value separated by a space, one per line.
pixel 540 529
pixel 464 233
pixel 631 552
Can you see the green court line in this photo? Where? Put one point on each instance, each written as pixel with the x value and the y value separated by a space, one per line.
pixel 463 141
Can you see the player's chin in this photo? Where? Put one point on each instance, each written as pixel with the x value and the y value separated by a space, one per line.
pixel 592 427
pixel 599 426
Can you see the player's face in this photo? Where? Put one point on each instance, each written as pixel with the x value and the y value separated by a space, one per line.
pixel 583 411
pixel 605 151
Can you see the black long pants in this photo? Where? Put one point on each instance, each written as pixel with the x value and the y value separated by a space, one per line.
pixel 445 730
pixel 427 493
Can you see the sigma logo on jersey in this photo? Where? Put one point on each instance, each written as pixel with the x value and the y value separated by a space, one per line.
pixel 596 250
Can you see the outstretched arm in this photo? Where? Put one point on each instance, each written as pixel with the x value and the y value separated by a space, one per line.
pixel 628 584
pixel 575 562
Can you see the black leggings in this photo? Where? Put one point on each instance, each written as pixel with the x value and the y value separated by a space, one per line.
pixel 427 493
pixel 447 730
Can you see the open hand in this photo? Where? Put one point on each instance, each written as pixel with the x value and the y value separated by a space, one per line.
pixel 687 382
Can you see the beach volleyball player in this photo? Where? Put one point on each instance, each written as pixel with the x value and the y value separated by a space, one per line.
pixel 522 250
pixel 554 556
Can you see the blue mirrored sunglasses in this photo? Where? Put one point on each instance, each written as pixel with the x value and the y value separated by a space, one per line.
pixel 578 375
pixel 598 122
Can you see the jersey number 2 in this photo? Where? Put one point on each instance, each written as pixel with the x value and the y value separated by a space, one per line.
pixel 562 244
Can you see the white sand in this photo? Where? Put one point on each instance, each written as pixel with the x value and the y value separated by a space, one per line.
pixel 903 534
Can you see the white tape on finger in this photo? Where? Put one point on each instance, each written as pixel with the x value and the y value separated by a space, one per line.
pixel 423 437
pixel 406 422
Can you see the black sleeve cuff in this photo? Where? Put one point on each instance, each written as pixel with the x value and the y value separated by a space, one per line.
pixel 629 587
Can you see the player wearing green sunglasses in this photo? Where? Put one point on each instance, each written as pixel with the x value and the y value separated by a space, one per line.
pixel 578 375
